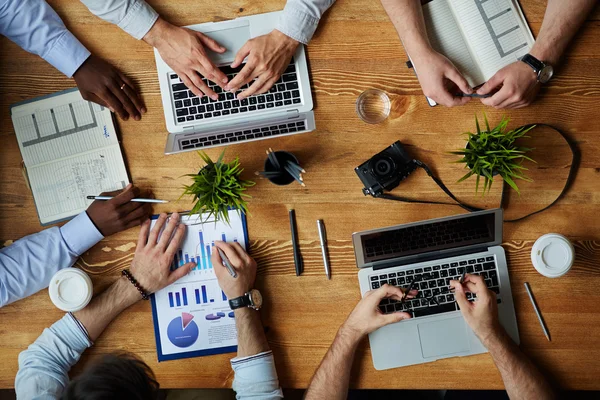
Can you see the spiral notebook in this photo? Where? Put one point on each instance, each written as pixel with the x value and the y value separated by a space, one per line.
pixel 70 150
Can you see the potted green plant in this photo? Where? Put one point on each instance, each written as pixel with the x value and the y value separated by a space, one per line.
pixel 492 152
pixel 218 187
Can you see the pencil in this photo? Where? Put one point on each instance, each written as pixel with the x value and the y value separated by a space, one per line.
pixel 293 165
pixel 294 175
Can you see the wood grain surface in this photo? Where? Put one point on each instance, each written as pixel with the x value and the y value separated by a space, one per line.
pixel 354 49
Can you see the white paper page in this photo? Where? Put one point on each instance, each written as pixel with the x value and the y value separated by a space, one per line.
pixel 193 313
pixel 446 38
pixel 60 187
pixel 496 32
pixel 61 126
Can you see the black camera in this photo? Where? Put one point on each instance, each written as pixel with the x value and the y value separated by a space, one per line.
pixel 385 170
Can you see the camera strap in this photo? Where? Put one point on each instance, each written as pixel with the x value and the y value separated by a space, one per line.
pixel 570 178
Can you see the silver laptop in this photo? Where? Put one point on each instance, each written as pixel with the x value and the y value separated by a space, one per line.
pixel 199 123
pixel 431 253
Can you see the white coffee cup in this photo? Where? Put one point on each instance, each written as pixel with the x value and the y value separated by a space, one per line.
pixel 552 255
pixel 71 289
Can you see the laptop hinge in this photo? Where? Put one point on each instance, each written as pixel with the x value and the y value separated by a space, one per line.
pixel 417 258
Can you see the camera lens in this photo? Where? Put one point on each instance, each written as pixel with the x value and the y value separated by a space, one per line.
pixel 383 166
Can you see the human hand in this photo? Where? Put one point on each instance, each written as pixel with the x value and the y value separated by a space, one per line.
pixel 367 317
pixel 268 56
pixel 185 51
pixel 440 80
pixel 244 265
pixel 151 265
pixel 481 315
pixel 100 82
pixel 518 87
pixel 119 213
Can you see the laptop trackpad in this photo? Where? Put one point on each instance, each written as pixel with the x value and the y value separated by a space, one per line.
pixel 440 338
pixel 232 39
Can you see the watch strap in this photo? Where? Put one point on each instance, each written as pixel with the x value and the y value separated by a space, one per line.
pixel 239 302
pixel 533 62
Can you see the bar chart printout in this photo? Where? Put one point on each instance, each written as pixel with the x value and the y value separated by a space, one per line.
pixel 197 295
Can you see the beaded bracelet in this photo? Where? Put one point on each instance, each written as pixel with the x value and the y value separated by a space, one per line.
pixel 135 283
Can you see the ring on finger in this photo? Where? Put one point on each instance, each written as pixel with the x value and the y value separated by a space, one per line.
pixel 123 86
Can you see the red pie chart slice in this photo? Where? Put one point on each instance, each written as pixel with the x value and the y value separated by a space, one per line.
pixel 186 318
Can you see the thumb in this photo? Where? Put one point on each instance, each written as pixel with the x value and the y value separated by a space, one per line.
pixel 241 54
pixel 181 272
pixel 491 84
pixel 211 43
pixel 459 80
pixel 460 296
pixel 387 319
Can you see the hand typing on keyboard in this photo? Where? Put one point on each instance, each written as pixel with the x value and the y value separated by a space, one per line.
pixel 481 315
pixel 367 317
pixel 185 51
pixel 268 56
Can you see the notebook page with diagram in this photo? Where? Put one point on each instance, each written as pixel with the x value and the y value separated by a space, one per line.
pixel 70 150
pixel 480 37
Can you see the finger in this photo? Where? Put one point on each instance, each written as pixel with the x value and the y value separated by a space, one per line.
pixel 394 317
pixel 241 55
pixel 93 98
pixel 160 222
pixel 448 99
pixel 386 291
pixel 477 281
pixel 459 295
pixel 125 100
pixel 176 241
pixel 498 98
pixel 136 214
pixel 211 43
pixel 203 87
pixel 187 81
pixel 241 252
pixel 126 195
pixel 258 83
pixel 132 93
pixel 508 103
pixel 230 252
pixel 143 236
pixel 181 272
pixel 267 85
pixel 411 294
pixel 114 103
pixel 459 80
pixel 165 236
pixel 244 76
pixel 217 77
pixel 491 84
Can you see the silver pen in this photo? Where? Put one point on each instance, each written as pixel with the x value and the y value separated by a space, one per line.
pixel 323 239
pixel 227 264
pixel 537 311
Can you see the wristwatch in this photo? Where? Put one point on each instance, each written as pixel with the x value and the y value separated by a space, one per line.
pixel 543 71
pixel 252 299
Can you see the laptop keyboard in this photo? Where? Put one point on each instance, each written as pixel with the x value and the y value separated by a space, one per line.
pixel 189 107
pixel 434 280
pixel 243 135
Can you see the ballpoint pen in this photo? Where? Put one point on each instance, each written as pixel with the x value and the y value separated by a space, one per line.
pixel 537 311
pixel 323 239
pixel 297 256
pixel 227 264
pixel 136 200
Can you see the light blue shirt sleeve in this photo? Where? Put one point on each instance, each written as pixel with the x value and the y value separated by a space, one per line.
pixel 27 265
pixel 300 18
pixel 44 366
pixel 35 26
pixel 135 17
pixel 256 377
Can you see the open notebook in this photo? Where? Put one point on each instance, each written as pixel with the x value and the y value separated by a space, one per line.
pixel 70 150
pixel 479 36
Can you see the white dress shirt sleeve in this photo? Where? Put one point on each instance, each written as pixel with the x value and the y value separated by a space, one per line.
pixel 44 366
pixel 256 377
pixel 300 18
pixel 135 17
pixel 27 265
pixel 35 26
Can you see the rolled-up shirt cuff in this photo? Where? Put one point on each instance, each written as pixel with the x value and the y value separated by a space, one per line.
pixel 256 376
pixel 80 234
pixel 297 24
pixel 139 19
pixel 67 54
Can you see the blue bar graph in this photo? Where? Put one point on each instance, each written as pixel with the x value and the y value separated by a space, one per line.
pixel 171 300
pixel 184 295
pixel 223 238
pixel 202 260
pixel 224 297
pixel 197 296
pixel 178 299
pixel 204 294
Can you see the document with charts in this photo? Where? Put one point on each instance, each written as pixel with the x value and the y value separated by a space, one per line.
pixel 70 150
pixel 479 36
pixel 192 317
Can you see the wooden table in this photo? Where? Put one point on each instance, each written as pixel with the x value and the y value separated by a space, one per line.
pixel 354 49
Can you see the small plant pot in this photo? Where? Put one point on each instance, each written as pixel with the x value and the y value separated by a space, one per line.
pixel 282 157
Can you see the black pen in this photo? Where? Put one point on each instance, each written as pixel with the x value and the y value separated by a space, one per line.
pixel 297 256
pixel 479 96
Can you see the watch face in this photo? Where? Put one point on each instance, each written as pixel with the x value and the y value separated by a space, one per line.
pixel 546 73
pixel 256 298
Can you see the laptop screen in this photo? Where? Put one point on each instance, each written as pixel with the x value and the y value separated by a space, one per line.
pixel 429 236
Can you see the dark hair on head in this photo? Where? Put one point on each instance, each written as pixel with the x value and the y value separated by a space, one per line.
pixel 115 377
